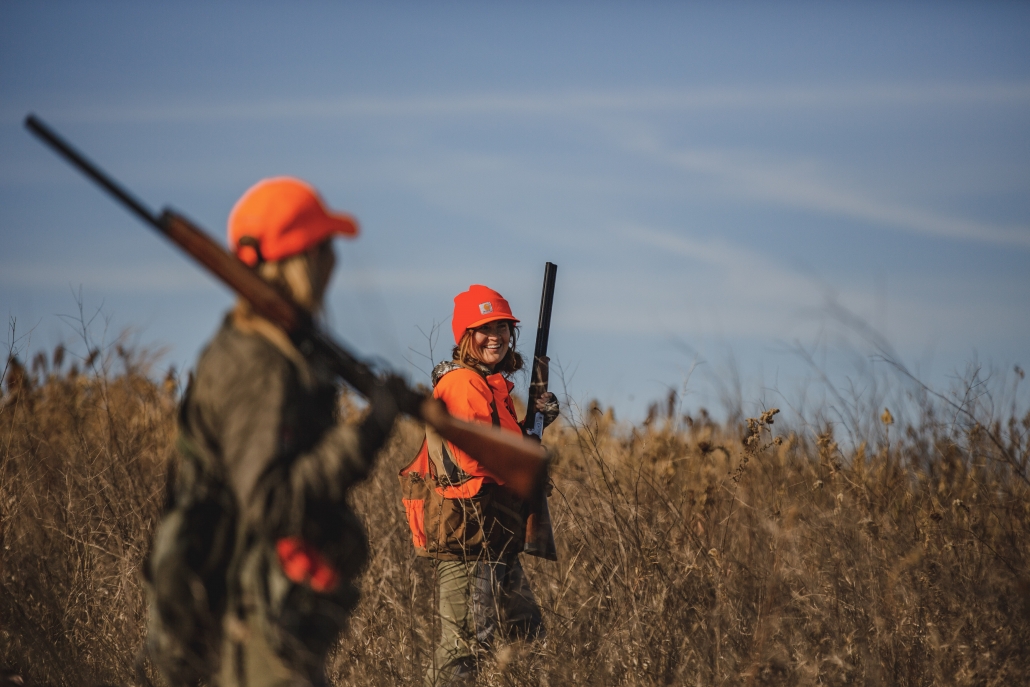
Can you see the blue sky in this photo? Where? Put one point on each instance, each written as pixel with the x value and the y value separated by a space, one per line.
pixel 712 179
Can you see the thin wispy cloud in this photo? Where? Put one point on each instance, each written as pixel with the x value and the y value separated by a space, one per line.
pixel 718 289
pixel 802 186
pixel 730 290
pixel 179 278
pixel 184 277
pixel 562 103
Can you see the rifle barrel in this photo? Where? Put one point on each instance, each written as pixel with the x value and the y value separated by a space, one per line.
pixel 38 127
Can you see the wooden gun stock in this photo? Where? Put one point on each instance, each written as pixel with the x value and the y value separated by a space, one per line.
pixel 520 463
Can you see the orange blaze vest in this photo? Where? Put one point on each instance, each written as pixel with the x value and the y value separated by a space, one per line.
pixel 443 487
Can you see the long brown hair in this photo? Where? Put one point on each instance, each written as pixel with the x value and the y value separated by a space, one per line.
pixel 303 278
pixel 464 353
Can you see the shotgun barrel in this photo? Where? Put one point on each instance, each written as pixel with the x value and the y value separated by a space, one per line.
pixel 538 383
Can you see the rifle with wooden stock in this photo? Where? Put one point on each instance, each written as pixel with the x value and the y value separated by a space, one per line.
pixel 539 532
pixel 521 464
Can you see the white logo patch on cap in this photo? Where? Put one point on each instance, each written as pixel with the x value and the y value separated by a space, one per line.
pixel 486 308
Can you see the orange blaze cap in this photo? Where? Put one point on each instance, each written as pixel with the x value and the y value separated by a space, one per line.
pixel 280 217
pixel 476 307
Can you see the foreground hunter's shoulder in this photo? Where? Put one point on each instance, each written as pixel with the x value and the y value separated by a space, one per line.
pixel 233 359
pixel 240 378
pixel 232 348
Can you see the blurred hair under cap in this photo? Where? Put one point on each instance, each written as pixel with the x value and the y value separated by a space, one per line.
pixel 280 217
pixel 476 307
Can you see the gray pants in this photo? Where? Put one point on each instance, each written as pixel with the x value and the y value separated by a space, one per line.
pixel 479 602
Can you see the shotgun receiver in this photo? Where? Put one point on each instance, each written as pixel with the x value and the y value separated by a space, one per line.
pixel 520 463
pixel 539 532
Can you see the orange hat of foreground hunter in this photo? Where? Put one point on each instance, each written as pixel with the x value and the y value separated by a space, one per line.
pixel 476 307
pixel 280 217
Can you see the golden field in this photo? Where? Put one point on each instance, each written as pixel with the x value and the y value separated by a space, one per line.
pixel 692 552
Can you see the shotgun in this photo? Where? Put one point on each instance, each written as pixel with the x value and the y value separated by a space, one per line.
pixel 539 532
pixel 521 464
pixel 538 383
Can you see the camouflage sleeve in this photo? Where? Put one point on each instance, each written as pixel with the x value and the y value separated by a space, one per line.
pixel 277 485
pixel 551 410
pixel 343 457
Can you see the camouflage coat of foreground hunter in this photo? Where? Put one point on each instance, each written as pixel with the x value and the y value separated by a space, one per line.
pixel 251 575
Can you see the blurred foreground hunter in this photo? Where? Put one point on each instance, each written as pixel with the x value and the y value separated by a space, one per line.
pixel 459 511
pixel 251 575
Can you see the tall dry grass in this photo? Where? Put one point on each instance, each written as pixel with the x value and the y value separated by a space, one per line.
pixel 83 453
pixel 692 553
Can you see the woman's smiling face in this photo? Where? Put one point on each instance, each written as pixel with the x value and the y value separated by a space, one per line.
pixel 490 342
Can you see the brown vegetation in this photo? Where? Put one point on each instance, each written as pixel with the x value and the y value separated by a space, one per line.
pixel 691 553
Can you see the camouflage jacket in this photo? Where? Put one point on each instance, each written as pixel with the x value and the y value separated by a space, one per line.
pixel 277 445
pixel 262 458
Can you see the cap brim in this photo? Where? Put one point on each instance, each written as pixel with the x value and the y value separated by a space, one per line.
pixel 492 318
pixel 342 224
